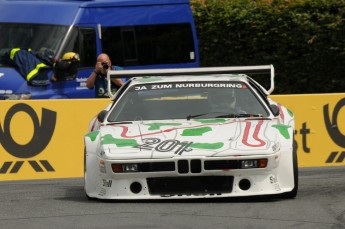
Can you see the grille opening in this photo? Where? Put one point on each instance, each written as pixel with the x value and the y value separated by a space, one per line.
pixel 195 166
pixel 182 166
pixel 147 167
pixel 195 185
pixel 221 164
pixel 157 166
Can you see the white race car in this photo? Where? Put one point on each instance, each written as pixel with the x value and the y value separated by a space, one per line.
pixel 191 133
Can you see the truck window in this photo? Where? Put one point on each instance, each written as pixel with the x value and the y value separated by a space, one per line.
pixel 149 44
pixel 36 37
pixel 87 50
pixel 82 40
pixel 31 36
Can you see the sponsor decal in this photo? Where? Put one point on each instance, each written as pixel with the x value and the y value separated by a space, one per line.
pixel 209 121
pixel 102 192
pixel 42 135
pixel 157 126
pixel 255 134
pixel 176 145
pixel 196 131
pixel 165 146
pixel 275 147
pixel 6 92
pixel 281 113
pixel 125 131
pixel 119 142
pixel 189 85
pixel 200 128
pixel 275 183
pixel 93 135
pixel 283 130
pixel 216 145
pixel 249 138
pixel 82 83
pixel 107 183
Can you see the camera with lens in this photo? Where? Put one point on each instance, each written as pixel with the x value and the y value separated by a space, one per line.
pixel 105 65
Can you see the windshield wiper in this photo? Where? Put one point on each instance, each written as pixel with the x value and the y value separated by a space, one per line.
pixel 226 115
pixel 239 115
pixel 119 122
pixel 198 115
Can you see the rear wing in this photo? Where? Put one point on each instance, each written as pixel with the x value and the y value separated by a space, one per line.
pixel 259 69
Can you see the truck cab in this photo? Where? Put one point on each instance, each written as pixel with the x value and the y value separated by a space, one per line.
pixel 136 34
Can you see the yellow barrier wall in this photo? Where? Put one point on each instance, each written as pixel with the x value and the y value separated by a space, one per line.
pixel 42 139
pixel 320 127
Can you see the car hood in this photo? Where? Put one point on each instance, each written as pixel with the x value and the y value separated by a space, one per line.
pixel 209 137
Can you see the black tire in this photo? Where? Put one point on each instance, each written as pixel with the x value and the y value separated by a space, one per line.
pixel 86 195
pixel 293 192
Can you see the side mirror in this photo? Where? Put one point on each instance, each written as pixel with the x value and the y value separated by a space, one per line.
pixel 101 115
pixel 274 109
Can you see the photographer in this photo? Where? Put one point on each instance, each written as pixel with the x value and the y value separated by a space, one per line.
pixel 98 78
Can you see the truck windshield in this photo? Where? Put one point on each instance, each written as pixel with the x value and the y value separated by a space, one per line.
pixel 33 36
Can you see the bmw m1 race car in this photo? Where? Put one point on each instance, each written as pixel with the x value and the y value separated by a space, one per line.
pixel 191 133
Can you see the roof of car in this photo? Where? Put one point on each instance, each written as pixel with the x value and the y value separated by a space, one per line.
pixel 235 73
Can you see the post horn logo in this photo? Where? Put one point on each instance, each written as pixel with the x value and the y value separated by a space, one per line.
pixel 334 132
pixel 41 137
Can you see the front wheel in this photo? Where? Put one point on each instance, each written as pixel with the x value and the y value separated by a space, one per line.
pixel 86 195
pixel 85 176
pixel 293 192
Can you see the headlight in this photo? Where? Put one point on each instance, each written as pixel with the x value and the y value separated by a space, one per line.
pixel 17 96
pixel 125 168
pixel 130 168
pixel 256 163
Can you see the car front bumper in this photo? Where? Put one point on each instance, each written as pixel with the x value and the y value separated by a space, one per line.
pixel 191 177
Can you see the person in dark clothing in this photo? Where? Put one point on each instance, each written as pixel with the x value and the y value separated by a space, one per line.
pixel 98 78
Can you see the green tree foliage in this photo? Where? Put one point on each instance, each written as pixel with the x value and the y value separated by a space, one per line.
pixel 303 39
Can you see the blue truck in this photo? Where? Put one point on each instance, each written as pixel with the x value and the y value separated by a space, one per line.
pixel 36 36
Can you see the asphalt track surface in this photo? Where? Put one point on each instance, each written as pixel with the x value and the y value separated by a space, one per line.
pixel 61 203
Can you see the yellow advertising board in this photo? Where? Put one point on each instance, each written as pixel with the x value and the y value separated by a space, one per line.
pixel 320 127
pixel 43 139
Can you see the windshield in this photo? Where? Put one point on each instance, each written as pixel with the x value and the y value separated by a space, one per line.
pixel 187 100
pixel 33 36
